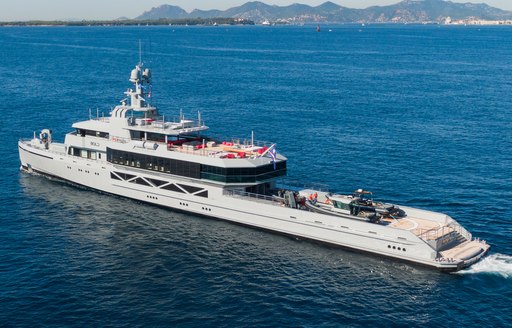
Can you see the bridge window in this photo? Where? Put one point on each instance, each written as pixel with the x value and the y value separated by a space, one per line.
pixel 98 134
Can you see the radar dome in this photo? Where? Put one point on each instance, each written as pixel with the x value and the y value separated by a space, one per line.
pixel 147 73
pixel 134 75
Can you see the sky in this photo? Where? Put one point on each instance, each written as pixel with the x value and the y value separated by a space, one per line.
pixel 14 10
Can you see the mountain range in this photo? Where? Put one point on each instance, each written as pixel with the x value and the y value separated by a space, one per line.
pixel 407 11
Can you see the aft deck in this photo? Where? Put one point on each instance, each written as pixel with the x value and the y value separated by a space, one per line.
pixel 429 229
pixel 434 228
pixel 415 225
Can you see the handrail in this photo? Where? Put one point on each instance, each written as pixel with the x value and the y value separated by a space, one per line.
pixel 460 229
pixel 299 185
pixel 251 196
pixel 425 234
pixel 243 141
pixel 27 143
pixel 105 119
pixel 438 232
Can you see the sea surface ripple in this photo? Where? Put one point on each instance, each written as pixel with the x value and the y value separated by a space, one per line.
pixel 421 115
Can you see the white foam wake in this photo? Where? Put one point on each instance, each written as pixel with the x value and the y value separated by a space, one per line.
pixel 497 264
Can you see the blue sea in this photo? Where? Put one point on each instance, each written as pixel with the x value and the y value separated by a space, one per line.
pixel 420 115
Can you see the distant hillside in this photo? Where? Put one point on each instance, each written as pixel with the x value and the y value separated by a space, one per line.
pixel 136 22
pixel 165 11
pixel 433 11
pixel 407 11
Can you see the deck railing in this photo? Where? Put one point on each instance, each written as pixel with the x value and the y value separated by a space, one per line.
pixel 206 151
pixel 297 185
pixel 461 230
pixel 105 119
pixel 252 196
pixel 440 236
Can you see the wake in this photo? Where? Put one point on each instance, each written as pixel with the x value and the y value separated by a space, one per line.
pixel 495 264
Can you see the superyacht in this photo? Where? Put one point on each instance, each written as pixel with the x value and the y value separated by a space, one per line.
pixel 136 153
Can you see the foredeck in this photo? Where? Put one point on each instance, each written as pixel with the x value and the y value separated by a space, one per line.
pixel 54 148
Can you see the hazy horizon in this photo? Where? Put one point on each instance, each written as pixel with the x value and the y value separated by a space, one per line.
pixel 23 10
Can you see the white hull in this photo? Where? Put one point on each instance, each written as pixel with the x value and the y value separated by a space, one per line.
pixel 345 232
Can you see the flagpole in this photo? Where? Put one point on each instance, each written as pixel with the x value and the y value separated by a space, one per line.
pixel 268 149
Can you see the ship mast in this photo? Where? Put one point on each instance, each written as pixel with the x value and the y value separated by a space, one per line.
pixel 141 79
pixel 140 53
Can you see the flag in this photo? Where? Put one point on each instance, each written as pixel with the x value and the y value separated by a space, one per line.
pixel 273 153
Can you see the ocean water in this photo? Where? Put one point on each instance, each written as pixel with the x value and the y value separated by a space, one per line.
pixel 420 115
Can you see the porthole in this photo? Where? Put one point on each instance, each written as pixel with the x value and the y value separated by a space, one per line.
pixel 399 248
pixel 389 246
pixel 394 247
pixel 403 249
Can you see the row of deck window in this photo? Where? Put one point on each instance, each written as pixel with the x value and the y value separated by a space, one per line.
pixel 84 153
pixel 153 163
pixel 196 170
pixel 84 132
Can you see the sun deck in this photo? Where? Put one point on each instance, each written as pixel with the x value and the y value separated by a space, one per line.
pixel 230 150
pixel 203 146
pixel 157 125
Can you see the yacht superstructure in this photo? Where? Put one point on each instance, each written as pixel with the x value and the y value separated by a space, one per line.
pixel 136 153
